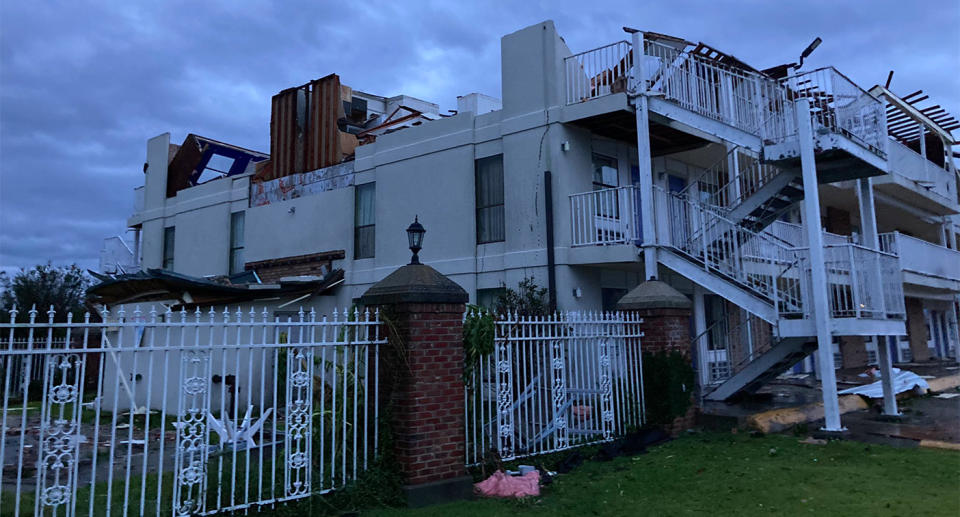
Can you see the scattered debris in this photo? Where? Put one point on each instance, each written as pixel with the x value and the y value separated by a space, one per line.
pixel 902 381
pixel 501 484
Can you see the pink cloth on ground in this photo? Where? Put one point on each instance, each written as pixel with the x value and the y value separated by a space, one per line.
pixel 504 485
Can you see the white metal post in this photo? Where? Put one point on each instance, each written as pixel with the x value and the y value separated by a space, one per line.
pixel 644 161
pixel 871 239
pixel 700 327
pixel 819 300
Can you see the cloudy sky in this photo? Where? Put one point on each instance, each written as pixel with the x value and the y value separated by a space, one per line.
pixel 84 84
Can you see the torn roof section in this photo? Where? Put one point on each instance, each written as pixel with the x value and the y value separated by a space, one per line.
pixel 322 122
pixel 200 159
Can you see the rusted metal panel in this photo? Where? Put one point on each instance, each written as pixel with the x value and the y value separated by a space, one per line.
pixel 303 128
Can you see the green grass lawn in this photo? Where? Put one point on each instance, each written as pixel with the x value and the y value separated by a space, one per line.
pixel 724 474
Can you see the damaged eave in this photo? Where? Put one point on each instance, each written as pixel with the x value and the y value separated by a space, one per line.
pixel 155 285
pixel 912 112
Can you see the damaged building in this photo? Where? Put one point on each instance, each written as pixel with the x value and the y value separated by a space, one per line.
pixel 654 156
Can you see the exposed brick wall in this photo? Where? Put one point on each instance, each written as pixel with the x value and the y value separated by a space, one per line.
pixel 917 330
pixel 423 385
pixel 666 330
pixel 854 352
pixel 272 270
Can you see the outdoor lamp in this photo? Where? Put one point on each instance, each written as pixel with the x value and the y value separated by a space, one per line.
pixel 415 235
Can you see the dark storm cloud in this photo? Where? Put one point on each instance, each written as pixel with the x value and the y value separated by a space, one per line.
pixel 83 86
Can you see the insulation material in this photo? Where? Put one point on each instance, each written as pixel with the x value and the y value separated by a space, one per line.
pixel 504 485
pixel 303 184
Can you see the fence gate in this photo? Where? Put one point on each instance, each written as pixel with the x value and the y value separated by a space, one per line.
pixel 183 413
pixel 553 383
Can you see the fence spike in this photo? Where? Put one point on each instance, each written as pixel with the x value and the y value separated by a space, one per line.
pixel 239 314
pixel 265 314
pixel 153 313
pixel 121 314
pixel 69 317
pixel 13 314
pixel 226 314
pixel 86 317
pixel 313 314
pixel 51 313
pixel 300 314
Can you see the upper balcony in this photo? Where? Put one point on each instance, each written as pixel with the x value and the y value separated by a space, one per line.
pixel 697 95
pixel 849 126
pixel 918 181
pixel 924 264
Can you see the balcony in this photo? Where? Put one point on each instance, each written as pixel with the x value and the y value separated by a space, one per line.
pixel 917 181
pixel 605 217
pixel 923 263
pixel 849 126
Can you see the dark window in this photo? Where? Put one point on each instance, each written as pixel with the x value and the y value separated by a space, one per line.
pixel 236 242
pixel 364 229
pixel 489 179
pixel 605 176
pixel 487 298
pixel 609 297
pixel 169 237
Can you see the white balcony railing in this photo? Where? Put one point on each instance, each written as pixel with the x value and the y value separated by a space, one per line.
pixel 863 283
pixel 608 216
pixel 729 94
pixel 598 72
pixel 904 161
pixel 837 105
pixel 922 257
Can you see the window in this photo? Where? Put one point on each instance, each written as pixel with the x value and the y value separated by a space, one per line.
pixel 487 298
pixel 236 242
pixel 364 230
pixel 489 179
pixel 609 297
pixel 169 237
pixel 605 176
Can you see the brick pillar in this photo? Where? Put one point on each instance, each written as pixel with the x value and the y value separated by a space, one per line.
pixel 422 381
pixel 917 330
pixel 666 328
pixel 853 350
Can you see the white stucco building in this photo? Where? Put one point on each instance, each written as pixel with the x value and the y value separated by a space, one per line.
pixel 649 157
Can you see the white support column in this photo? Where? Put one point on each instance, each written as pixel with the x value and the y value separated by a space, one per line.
pixel 733 167
pixel 700 327
pixel 819 298
pixel 136 247
pixel 871 239
pixel 644 162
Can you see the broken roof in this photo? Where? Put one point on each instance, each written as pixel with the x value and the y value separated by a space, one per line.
pixel 905 113
pixel 189 291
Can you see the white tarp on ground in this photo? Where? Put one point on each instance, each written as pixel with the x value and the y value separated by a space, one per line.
pixel 902 381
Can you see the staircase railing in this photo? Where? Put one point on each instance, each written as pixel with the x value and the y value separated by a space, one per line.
pixel 753 260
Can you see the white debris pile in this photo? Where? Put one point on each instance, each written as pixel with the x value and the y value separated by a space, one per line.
pixel 902 381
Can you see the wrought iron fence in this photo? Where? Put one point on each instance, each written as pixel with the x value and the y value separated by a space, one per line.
pixel 184 413
pixel 553 383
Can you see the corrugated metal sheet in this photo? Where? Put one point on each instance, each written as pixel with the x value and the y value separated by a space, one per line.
pixel 303 128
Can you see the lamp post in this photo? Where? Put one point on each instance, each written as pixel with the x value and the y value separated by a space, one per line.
pixel 415 236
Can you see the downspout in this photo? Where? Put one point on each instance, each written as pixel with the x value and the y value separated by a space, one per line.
pixel 551 259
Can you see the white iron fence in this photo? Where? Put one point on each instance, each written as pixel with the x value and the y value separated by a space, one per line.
pixel 554 383
pixel 179 413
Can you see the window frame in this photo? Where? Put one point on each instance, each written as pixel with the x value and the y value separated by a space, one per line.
pixel 235 249
pixel 484 206
pixel 168 256
pixel 359 190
